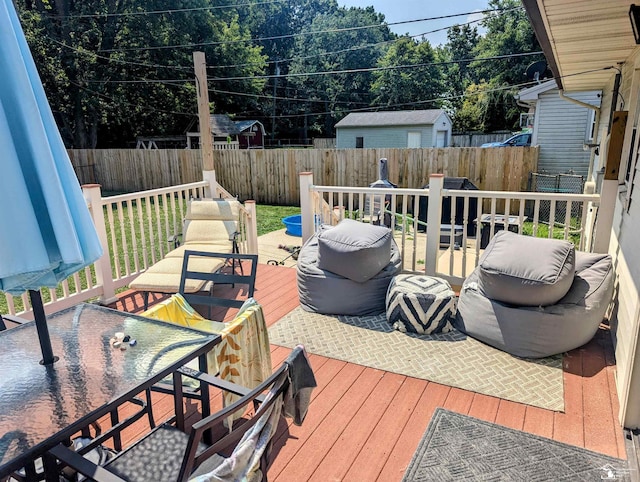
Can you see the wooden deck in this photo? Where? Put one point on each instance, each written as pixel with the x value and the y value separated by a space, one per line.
pixel 365 424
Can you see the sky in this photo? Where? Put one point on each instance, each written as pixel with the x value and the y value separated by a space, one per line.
pixel 402 10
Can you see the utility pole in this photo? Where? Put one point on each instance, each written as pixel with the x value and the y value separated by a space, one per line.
pixel 273 113
pixel 204 115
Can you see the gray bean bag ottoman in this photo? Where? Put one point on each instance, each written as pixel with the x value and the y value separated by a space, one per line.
pixel 540 331
pixel 323 291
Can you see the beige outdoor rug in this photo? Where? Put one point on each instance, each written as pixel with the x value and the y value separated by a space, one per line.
pixel 451 359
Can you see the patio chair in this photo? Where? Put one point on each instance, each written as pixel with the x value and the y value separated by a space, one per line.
pixel 168 454
pixel 210 225
pixel 535 297
pixel 243 356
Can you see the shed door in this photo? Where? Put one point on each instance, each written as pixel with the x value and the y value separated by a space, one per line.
pixel 414 139
pixel 441 139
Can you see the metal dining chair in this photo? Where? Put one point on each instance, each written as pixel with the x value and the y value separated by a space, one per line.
pixel 168 454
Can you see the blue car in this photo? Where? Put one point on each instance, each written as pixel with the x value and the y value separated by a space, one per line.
pixel 517 140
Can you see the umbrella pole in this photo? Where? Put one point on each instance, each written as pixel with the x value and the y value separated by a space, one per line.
pixel 41 326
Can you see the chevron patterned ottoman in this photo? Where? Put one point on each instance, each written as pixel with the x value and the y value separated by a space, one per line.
pixel 420 304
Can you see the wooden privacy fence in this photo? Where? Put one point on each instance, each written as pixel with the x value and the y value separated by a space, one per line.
pixel 271 176
pixel 476 139
pixel 132 170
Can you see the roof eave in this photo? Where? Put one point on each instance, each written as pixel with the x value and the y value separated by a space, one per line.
pixel 535 17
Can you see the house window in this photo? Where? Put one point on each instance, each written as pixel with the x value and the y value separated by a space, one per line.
pixel 359 142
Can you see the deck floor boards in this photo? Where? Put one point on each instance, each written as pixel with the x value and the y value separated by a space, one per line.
pixel 365 424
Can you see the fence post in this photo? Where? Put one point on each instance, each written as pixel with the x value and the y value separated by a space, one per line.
pixel 93 195
pixel 252 227
pixel 434 212
pixel 211 191
pixel 306 205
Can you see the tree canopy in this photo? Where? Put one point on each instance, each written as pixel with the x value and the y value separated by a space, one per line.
pixel 117 69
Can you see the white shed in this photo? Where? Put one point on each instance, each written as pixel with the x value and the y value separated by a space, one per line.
pixel 400 129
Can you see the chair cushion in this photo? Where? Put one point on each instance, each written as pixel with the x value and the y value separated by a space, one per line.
pixel 207 248
pixel 164 276
pixel 157 457
pixel 526 271
pixel 221 209
pixel 354 250
pixel 201 231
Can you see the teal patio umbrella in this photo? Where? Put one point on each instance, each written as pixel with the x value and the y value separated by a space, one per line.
pixel 46 231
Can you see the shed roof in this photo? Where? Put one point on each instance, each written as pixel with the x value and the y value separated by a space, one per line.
pixel 222 125
pixel 391 118
pixel 247 124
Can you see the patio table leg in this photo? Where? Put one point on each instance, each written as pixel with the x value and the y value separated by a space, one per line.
pixel 204 392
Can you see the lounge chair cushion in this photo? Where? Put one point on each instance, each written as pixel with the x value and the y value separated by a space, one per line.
pixel 209 225
pixel 222 209
pixel 354 250
pixel 206 247
pixel 526 271
pixel 164 276
pixel 208 231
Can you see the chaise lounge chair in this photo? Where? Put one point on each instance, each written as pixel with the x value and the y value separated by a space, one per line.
pixel 210 225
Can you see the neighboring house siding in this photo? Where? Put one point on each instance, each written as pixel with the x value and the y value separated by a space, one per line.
pixel 561 132
pixel 382 137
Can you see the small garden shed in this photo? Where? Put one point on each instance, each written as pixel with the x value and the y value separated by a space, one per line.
pixel 394 129
pixel 251 134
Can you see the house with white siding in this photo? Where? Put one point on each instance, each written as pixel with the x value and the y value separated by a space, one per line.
pixel 394 129
pixel 595 45
pixel 563 127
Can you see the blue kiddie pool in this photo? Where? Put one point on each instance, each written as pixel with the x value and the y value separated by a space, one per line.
pixel 293 224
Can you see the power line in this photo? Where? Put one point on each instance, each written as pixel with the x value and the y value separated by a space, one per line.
pixel 302 34
pixel 180 68
pixel 167 11
pixel 372 108
pixel 334 72
pixel 350 49
pixel 376 69
pixel 125 103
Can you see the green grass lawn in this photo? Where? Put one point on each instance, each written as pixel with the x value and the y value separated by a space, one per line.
pixel 270 217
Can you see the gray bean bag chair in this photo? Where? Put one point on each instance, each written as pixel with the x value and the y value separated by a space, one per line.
pixel 530 329
pixel 324 291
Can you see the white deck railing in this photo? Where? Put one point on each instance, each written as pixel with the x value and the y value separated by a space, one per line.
pixel 415 216
pixel 135 231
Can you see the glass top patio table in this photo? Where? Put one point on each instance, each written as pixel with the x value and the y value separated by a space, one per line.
pixel 42 405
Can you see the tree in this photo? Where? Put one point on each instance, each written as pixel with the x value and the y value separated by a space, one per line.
pixel 349 41
pixel 462 40
pixel 111 73
pixel 508 32
pixel 470 115
pixel 410 76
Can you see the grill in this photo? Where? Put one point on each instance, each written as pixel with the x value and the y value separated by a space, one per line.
pixel 375 204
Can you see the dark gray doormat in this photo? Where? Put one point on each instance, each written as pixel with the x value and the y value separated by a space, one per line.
pixel 451 359
pixel 457 447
